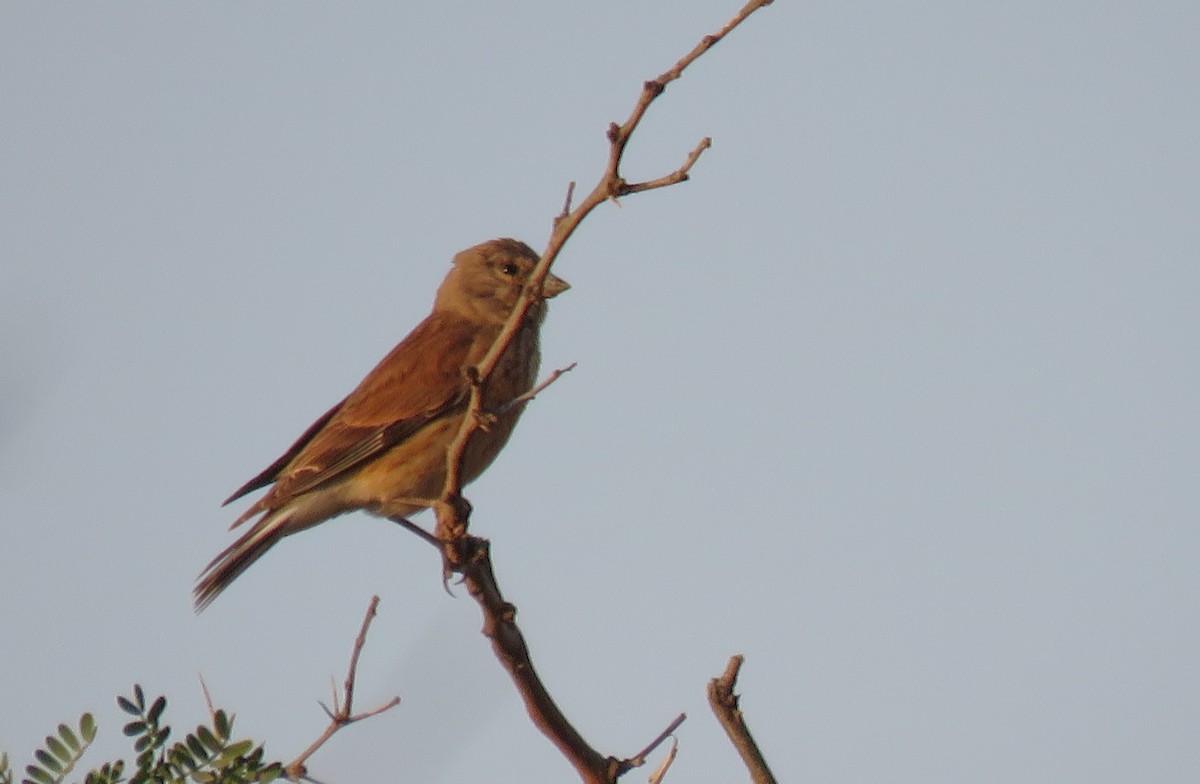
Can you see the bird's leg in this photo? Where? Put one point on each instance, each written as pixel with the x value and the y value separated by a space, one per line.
pixel 404 522
pixel 447 567
pixel 453 513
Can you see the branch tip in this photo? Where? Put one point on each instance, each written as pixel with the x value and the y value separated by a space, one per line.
pixel 639 759
pixel 724 704
pixel 566 210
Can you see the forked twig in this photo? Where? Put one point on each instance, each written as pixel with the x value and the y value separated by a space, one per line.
pixel 343 715
pixel 611 184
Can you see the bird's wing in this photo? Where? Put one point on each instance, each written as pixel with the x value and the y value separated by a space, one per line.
pixel 271 472
pixel 422 379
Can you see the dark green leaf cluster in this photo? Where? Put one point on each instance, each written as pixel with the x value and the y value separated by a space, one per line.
pixel 209 755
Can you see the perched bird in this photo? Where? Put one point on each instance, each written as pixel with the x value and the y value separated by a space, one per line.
pixel 383 448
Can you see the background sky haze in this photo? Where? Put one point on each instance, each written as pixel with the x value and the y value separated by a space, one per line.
pixel 896 397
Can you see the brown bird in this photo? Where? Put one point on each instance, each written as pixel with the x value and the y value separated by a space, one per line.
pixel 383 448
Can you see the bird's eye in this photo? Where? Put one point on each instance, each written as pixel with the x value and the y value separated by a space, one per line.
pixel 509 269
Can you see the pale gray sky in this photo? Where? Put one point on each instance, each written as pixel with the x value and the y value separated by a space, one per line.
pixel 897 396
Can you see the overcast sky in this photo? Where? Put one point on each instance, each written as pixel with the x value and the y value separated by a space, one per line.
pixel 897 396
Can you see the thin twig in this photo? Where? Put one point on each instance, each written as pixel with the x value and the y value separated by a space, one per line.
pixel 661 771
pixel 531 394
pixel 566 210
pixel 639 759
pixel 725 705
pixel 675 177
pixel 208 700
pixel 342 715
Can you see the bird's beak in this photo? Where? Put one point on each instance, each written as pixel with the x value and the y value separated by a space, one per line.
pixel 554 286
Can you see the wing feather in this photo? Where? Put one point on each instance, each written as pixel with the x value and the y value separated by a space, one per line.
pixel 419 381
pixel 269 474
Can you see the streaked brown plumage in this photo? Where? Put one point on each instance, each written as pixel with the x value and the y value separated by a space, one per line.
pixel 383 448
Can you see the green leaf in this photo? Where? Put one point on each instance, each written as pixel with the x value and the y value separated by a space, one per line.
pixel 206 737
pixel 139 697
pixel 68 737
pixel 197 748
pixel 240 748
pixel 182 757
pixel 38 775
pixel 47 759
pixel 127 706
pixel 56 747
pixel 223 724
pixel 142 744
pixel 156 710
pixel 134 728
pixel 87 727
pixel 108 773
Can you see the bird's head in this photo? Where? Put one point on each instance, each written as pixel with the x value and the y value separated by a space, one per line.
pixel 486 281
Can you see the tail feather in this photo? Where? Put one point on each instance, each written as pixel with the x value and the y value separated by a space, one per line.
pixel 236 558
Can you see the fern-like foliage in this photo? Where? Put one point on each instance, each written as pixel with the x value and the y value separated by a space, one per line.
pixel 209 755
pixel 58 756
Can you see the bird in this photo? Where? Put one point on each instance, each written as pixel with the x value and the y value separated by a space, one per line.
pixel 383 448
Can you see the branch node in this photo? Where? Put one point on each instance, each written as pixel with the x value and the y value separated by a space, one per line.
pixel 341 715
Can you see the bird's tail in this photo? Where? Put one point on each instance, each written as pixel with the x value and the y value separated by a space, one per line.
pixel 237 558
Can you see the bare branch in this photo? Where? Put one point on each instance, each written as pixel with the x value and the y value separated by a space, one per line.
pixel 470 555
pixel 611 184
pixel 342 715
pixel 725 705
